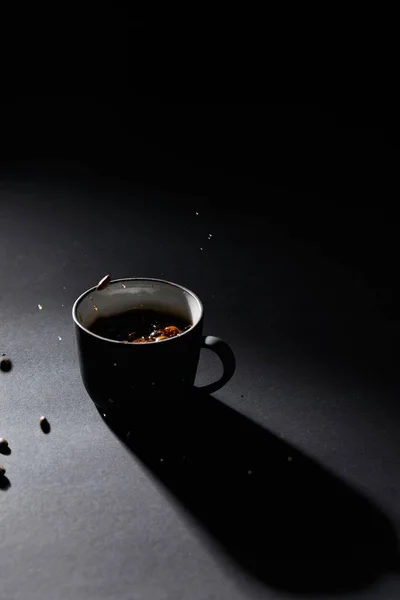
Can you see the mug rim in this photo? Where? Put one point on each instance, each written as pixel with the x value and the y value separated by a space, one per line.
pixel 171 283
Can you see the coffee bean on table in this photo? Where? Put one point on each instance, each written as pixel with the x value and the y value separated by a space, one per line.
pixel 5 364
pixel 3 443
pixel 2 471
pixel 44 425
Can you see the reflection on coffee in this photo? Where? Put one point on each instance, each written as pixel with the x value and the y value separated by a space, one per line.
pixel 139 326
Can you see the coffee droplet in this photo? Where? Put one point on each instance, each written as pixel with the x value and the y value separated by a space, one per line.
pixel 103 283
pixel 5 364
pixel 160 338
pixel 44 425
pixel 2 471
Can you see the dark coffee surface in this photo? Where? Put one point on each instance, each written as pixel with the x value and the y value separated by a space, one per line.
pixel 140 326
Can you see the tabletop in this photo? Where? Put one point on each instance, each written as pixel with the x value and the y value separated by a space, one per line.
pixel 283 483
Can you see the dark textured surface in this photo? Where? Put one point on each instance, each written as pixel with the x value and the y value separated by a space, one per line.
pixel 286 482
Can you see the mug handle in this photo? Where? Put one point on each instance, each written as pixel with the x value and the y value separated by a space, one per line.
pixel 227 358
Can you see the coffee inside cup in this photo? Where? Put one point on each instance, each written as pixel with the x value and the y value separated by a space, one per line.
pixel 133 306
pixel 140 325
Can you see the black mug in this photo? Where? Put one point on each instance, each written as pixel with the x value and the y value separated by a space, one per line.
pixel 122 375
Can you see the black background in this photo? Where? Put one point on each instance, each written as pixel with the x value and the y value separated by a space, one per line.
pixel 300 277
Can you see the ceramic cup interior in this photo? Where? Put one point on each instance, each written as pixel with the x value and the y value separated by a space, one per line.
pixel 125 294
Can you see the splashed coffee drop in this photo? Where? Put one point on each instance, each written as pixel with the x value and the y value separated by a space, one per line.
pixel 44 425
pixel 103 283
pixel 140 340
pixel 5 364
pixel 171 331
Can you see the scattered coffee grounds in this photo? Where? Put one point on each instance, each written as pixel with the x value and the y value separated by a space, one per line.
pixel 5 364
pixel 2 471
pixel 44 425
pixel 139 326
pixel 103 283
pixel 4 447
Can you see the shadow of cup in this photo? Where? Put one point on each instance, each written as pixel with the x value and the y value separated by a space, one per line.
pixel 279 514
